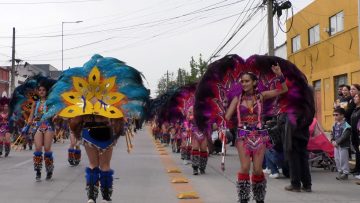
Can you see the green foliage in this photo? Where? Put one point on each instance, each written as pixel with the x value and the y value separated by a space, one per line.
pixel 183 77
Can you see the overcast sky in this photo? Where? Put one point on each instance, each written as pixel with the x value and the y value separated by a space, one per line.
pixel 150 35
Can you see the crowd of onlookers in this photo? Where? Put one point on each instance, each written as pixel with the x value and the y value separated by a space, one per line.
pixel 344 137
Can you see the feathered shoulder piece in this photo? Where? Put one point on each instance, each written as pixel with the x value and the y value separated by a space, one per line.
pixel 103 86
pixel 25 95
pixel 179 104
pixel 156 104
pixel 221 83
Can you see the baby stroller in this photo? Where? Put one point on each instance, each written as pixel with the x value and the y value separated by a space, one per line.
pixel 321 151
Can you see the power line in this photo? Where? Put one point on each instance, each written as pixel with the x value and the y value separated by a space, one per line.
pixel 201 10
pixel 177 27
pixel 140 41
pixel 240 26
pixel 213 54
pixel 258 23
pixel 47 2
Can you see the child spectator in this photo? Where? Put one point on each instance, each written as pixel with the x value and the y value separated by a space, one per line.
pixel 340 138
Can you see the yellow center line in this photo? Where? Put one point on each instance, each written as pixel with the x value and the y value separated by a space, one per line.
pixel 169 163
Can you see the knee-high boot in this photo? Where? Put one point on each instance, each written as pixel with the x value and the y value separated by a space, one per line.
pixel 259 187
pixel 195 161
pixel 1 148
pixel 203 161
pixel 7 148
pixel 188 153
pixel 77 156
pixel 182 152
pixel 71 156
pixel 92 177
pixel 106 183
pixel 38 159
pixel 49 164
pixel 243 188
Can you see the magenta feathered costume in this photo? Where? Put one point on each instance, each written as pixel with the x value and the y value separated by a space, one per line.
pixel 221 83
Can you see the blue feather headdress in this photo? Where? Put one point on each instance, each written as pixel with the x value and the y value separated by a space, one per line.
pixel 103 86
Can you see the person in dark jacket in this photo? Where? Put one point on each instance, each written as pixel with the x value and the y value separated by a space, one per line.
pixel 355 125
pixel 295 137
pixel 340 138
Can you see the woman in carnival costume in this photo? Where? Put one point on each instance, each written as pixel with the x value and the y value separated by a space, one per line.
pixel 28 104
pixel 198 143
pixel 4 127
pixel 98 98
pixel 44 134
pixel 253 89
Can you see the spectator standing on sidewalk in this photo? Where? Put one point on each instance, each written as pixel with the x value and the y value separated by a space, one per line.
pixel 355 129
pixel 340 138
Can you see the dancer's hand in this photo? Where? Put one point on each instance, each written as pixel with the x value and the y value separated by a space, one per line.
pixel 276 69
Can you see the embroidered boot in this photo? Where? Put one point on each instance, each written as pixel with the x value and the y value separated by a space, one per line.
pixel 77 157
pixel 71 157
pixel 38 159
pixel 49 164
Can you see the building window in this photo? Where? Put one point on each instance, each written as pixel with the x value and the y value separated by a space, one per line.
pixel 296 43
pixel 337 23
pixel 339 80
pixel 314 34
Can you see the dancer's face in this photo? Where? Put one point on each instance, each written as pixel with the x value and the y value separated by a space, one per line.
pixel 353 91
pixel 247 83
pixel 42 92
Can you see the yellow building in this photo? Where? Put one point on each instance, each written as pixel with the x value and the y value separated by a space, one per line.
pixel 323 42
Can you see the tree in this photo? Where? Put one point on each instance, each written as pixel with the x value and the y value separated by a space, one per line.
pixel 183 77
pixel 166 82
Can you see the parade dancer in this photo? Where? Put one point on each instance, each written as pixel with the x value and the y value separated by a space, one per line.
pixel 253 89
pixel 98 98
pixel 252 139
pixel 199 153
pixel 4 127
pixel 185 149
pixel 44 133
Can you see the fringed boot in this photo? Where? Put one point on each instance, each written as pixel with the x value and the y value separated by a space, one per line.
pixel 188 154
pixel 195 161
pixel 92 177
pixel 243 188
pixel 1 148
pixel 77 156
pixel 7 149
pixel 38 159
pixel 106 183
pixel 49 164
pixel 71 156
pixel 259 188
pixel 203 161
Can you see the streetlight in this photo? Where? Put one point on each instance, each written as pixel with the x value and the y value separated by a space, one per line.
pixel 62 42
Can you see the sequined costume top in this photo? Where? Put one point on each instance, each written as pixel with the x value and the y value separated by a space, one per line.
pixel 4 123
pixel 249 125
pixel 40 109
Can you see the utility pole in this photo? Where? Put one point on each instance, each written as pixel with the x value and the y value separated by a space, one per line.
pixel 271 51
pixel 12 86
